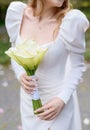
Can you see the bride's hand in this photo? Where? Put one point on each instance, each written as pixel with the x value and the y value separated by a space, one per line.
pixel 27 83
pixel 51 109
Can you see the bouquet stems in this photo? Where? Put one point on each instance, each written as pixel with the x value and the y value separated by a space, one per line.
pixel 36 101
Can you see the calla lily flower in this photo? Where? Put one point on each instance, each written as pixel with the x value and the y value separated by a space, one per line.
pixel 28 55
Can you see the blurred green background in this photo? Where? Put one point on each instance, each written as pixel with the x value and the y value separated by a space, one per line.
pixel 84 6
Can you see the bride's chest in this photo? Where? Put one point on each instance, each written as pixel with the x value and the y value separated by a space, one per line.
pixel 41 33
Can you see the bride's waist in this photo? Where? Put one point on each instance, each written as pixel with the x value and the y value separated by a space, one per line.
pixel 48 86
pixel 49 78
pixel 48 90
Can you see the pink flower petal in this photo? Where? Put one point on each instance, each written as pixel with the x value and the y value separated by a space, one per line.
pixel 19 127
pixel 1 110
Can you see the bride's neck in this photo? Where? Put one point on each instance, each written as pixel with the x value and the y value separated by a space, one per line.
pixel 48 13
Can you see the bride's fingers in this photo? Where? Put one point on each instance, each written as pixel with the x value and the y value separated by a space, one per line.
pixel 40 109
pixel 29 78
pixel 27 83
pixel 46 112
pixel 48 116
pixel 52 117
pixel 27 89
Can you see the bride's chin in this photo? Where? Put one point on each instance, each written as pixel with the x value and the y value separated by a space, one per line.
pixel 59 4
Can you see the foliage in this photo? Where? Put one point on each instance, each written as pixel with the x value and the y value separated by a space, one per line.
pixel 87 55
pixel 4 59
pixel 6 2
pixel 86 11
pixel 81 3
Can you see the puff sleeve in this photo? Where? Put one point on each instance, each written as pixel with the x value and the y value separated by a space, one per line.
pixel 72 33
pixel 13 20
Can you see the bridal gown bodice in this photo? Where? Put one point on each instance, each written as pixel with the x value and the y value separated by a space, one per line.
pixel 60 70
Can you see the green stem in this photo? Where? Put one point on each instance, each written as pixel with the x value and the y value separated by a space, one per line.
pixel 29 72
pixel 36 104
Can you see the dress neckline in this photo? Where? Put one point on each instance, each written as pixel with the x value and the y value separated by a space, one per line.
pixel 47 43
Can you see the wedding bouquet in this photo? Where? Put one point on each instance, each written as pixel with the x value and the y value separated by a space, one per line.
pixel 29 55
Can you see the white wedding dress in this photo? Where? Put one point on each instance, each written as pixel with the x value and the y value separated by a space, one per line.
pixel 59 72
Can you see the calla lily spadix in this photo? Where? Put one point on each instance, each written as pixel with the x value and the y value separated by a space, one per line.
pixel 29 55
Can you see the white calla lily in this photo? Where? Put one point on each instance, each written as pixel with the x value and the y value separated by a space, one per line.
pixel 28 55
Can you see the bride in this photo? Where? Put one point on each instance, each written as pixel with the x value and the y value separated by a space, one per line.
pixel 50 23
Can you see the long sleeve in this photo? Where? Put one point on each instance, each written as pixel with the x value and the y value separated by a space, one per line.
pixel 17 69
pixel 72 33
pixel 13 22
